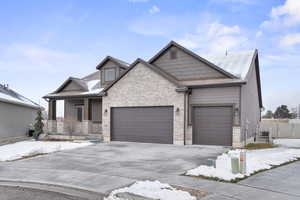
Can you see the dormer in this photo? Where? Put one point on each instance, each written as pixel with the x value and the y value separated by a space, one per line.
pixel 110 69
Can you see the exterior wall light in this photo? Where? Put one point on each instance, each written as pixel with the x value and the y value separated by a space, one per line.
pixel 177 109
pixel 236 110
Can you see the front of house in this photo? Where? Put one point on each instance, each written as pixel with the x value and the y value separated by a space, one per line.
pixel 177 97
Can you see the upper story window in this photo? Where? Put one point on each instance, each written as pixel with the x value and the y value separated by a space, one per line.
pixel 109 74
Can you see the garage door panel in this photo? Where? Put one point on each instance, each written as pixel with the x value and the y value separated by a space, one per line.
pixel 143 124
pixel 212 125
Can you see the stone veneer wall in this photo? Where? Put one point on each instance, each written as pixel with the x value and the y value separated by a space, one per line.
pixel 53 127
pixel 144 87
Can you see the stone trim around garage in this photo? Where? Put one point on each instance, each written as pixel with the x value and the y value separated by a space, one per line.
pixel 236 138
pixel 142 87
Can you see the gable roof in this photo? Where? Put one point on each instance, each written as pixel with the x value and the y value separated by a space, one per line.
pixel 150 66
pixel 90 84
pixel 187 51
pixel 237 63
pixel 78 81
pixel 119 62
pixel 10 96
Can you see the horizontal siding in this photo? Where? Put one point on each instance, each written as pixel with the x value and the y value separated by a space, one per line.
pixel 250 106
pixel 186 67
pixel 15 120
pixel 216 95
pixel 72 87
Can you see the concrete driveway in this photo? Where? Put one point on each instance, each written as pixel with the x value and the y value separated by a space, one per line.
pixel 104 167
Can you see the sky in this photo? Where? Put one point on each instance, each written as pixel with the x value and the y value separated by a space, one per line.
pixel 43 43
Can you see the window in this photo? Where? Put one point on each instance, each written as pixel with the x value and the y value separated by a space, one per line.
pixel 79 110
pixel 109 74
pixel 173 54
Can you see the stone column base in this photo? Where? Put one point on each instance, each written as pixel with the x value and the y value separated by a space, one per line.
pixel 52 126
pixel 236 137
pixel 87 127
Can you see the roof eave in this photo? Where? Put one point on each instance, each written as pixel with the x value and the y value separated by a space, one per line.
pixel 115 60
pixel 155 69
pixel 72 96
pixel 19 103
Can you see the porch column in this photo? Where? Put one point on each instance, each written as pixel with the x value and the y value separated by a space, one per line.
pixel 52 126
pixel 86 123
pixel 52 109
pixel 87 109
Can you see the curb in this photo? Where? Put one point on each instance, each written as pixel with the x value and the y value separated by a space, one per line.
pixel 60 189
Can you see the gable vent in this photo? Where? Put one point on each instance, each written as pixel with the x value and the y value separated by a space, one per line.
pixel 173 54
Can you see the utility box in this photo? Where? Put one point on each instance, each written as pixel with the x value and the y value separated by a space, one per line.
pixel 235 165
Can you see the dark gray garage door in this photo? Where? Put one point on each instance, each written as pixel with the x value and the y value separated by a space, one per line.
pixel 142 124
pixel 212 125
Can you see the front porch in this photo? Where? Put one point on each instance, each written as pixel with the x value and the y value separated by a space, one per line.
pixel 82 118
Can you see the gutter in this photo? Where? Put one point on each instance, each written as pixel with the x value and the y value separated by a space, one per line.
pixel 218 85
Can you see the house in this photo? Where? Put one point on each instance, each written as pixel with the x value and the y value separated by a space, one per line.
pixel 16 114
pixel 177 97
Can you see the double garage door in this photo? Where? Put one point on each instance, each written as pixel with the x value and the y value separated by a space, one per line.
pixel 211 125
pixel 142 124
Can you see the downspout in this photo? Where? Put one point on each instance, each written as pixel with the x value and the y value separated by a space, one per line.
pixel 185 111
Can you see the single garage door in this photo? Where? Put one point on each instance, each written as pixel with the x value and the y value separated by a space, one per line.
pixel 212 125
pixel 142 124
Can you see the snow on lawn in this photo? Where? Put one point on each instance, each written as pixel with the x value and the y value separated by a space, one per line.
pixel 294 143
pixel 256 160
pixel 153 189
pixel 27 148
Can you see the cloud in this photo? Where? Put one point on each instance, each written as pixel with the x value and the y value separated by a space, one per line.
pixel 259 34
pixel 29 57
pixel 214 38
pixel 284 15
pixel 154 9
pixel 290 40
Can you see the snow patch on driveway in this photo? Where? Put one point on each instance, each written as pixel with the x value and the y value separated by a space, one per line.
pixel 154 190
pixel 27 148
pixel 257 160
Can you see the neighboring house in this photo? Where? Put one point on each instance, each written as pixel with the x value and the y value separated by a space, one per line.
pixel 177 97
pixel 16 113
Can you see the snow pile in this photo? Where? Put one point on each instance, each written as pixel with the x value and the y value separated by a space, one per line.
pixel 92 84
pixel 27 148
pixel 21 100
pixel 153 189
pixel 256 160
pixel 292 143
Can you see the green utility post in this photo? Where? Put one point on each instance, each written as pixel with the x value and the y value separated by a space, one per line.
pixel 235 165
